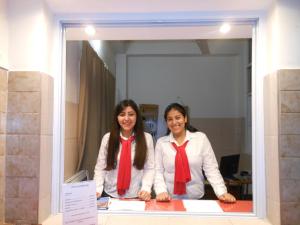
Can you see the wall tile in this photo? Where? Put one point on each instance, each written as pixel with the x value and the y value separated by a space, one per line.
pixel 290 101
pixel 290 191
pixel 2 181
pixel 46 169
pixel 3 123
pixel 47 102
pixel 24 81
pixel 12 144
pixel 272 167
pixel 2 161
pixel 289 168
pixel 12 187
pixel 22 166
pixel 289 146
pixel 270 105
pixel 3 101
pixel 3 80
pixel 2 145
pixel 289 79
pixel 290 123
pixel 45 182
pixel 23 123
pixel 290 213
pixel 273 211
pixel 28 188
pixel 26 102
pixel 21 209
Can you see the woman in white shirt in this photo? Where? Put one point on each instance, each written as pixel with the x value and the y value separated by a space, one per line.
pixel 125 164
pixel 180 158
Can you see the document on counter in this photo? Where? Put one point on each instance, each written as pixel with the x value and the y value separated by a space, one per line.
pixel 205 206
pixel 80 203
pixel 126 205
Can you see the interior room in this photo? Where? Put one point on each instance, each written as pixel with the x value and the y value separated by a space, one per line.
pixel 211 82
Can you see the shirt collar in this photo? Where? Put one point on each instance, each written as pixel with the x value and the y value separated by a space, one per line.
pixel 126 138
pixel 188 136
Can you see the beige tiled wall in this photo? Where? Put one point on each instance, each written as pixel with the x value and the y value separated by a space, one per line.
pixel 271 147
pixel 289 148
pixel 3 110
pixel 282 141
pixel 28 147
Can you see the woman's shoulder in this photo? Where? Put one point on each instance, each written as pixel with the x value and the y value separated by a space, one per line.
pixel 198 134
pixel 163 139
pixel 147 135
pixel 106 136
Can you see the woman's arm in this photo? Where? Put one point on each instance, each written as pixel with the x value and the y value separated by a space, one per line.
pixel 210 167
pixel 148 172
pixel 160 186
pixel 99 172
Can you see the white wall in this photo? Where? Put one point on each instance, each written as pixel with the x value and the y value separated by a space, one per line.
pixel 32 43
pixel 4 35
pixel 159 72
pixel 208 85
pixel 288 25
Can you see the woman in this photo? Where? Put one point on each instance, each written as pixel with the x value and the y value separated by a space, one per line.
pixel 180 158
pixel 125 164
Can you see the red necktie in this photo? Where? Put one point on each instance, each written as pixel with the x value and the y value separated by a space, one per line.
pixel 182 169
pixel 124 172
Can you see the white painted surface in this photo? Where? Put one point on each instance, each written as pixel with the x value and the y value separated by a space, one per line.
pixel 208 85
pixel 31 30
pixel 4 35
pixel 142 6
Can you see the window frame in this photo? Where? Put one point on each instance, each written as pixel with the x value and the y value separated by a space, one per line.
pixel 258 158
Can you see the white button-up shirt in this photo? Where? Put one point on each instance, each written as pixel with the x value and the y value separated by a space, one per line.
pixel 140 179
pixel 200 156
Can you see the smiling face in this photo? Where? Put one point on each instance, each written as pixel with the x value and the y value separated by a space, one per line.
pixel 176 122
pixel 127 120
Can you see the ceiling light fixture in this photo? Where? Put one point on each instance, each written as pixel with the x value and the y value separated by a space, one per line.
pixel 225 28
pixel 90 30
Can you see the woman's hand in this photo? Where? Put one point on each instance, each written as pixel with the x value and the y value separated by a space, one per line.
pixel 228 198
pixel 144 195
pixel 98 195
pixel 163 197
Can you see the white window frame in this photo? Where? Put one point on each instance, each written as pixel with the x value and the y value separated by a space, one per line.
pixel 258 158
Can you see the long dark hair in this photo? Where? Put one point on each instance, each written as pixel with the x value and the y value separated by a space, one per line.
pixel 114 138
pixel 183 111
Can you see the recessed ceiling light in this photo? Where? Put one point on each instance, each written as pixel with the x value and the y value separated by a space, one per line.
pixel 225 28
pixel 90 30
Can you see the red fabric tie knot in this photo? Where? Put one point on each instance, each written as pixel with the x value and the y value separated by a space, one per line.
pixel 124 172
pixel 182 169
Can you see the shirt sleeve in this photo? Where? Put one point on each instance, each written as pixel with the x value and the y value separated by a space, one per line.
pixel 99 172
pixel 148 172
pixel 210 167
pixel 159 181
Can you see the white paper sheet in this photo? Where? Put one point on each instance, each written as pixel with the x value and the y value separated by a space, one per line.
pixel 205 206
pixel 79 203
pixel 126 205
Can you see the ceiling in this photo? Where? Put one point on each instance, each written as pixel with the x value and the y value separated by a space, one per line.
pixel 154 6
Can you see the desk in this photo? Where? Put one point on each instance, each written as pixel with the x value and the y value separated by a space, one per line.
pixel 177 205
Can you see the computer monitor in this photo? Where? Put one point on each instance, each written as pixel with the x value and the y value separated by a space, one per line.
pixel 229 165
